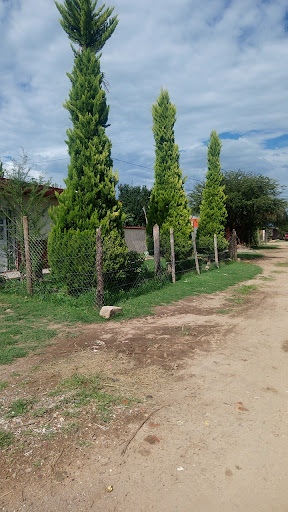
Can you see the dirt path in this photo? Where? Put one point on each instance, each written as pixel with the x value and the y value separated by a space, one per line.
pixel 217 437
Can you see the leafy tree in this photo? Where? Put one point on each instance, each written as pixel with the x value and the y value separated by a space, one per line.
pixel 253 202
pixel 168 204
pixel 21 195
pixel 213 211
pixel 135 200
pixel 2 170
pixel 89 198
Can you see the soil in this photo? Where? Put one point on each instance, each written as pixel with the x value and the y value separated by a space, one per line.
pixel 208 431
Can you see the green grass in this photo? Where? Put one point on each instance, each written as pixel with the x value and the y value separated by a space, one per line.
pixel 79 390
pixel 266 247
pixel 27 327
pixel 19 407
pixel 250 255
pixel 6 438
pixel 284 264
pixel 246 289
pixel 3 385
pixel 190 284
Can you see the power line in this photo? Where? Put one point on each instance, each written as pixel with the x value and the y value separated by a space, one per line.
pixel 117 160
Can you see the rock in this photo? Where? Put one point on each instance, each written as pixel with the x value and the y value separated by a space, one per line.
pixel 9 311
pixel 108 311
pixel 152 439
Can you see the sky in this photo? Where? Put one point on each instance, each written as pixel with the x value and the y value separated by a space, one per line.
pixel 224 63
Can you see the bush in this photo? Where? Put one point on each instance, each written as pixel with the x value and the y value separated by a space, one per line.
pixel 72 258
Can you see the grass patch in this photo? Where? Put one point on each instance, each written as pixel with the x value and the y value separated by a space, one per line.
pixel 189 285
pixel 27 327
pixel 237 297
pixel 282 264
pixel 224 311
pixel 235 300
pixel 21 331
pixel 19 407
pixel 3 385
pixel 6 438
pixel 80 390
pixel 250 255
pixel 278 272
pixel 246 289
pixel 266 247
pixel 39 412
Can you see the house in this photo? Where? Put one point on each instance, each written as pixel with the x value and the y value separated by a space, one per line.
pixel 9 253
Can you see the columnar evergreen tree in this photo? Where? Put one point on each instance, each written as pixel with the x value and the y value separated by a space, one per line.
pixel 213 211
pixel 168 204
pixel 89 198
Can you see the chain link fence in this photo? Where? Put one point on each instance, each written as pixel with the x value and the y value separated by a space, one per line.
pixel 74 276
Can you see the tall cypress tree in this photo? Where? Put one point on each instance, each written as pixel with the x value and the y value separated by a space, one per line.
pixel 89 198
pixel 213 211
pixel 168 204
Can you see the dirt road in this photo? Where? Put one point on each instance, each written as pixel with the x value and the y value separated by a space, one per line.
pixel 217 437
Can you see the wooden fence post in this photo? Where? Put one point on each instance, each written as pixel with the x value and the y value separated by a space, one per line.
pixel 173 270
pixel 99 269
pixel 156 237
pixel 27 256
pixel 195 252
pixel 216 251
pixel 233 246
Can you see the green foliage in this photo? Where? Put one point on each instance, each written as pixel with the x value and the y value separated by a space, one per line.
pixel 73 262
pixel 213 212
pixel 85 26
pixel 82 389
pixel 122 269
pixel 23 195
pixel 168 204
pixel 72 256
pixel 6 438
pixel 89 199
pixel 253 202
pixel 19 407
pixel 2 170
pixel 133 200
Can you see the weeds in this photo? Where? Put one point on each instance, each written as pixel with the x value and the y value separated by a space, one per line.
pixel 3 385
pixel 79 390
pixel 19 407
pixel 6 438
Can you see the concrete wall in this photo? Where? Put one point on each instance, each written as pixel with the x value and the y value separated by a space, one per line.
pixel 136 239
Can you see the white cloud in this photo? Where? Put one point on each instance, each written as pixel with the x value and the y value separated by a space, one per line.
pixel 223 63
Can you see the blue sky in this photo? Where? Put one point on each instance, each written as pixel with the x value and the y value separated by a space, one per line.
pixel 224 63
